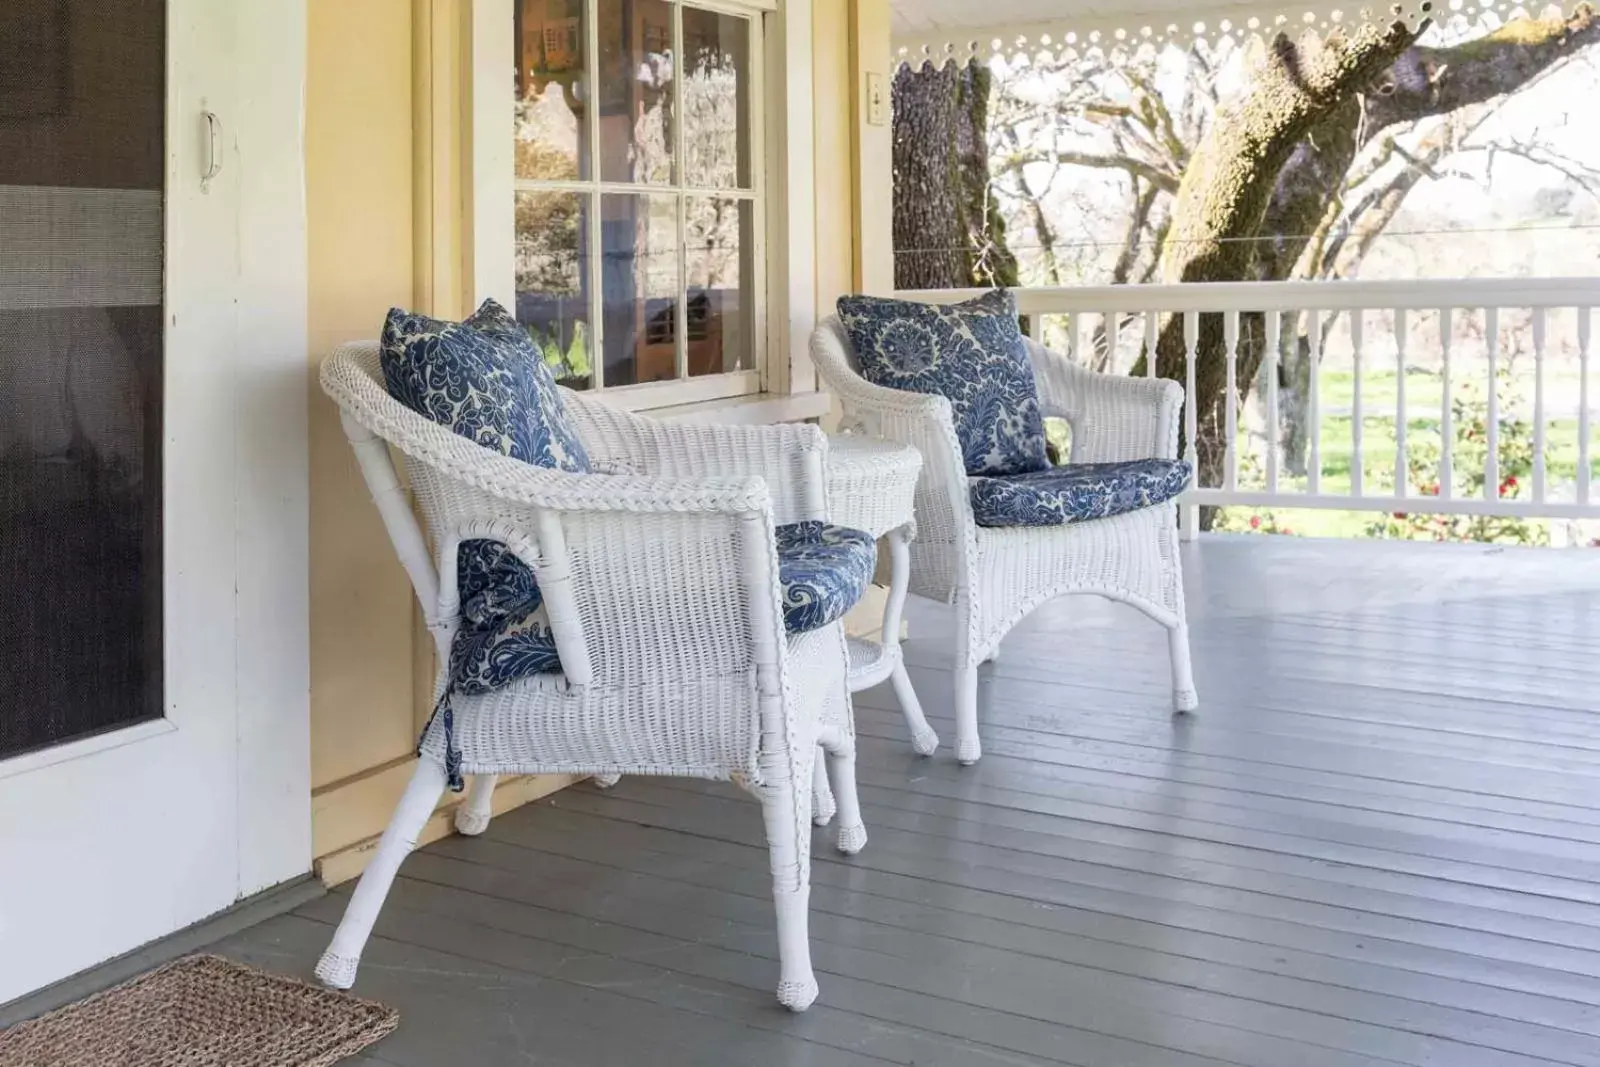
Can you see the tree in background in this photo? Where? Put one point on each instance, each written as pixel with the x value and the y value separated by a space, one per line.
pixel 1277 163
pixel 948 230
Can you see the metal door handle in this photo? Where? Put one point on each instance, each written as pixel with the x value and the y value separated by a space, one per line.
pixel 213 146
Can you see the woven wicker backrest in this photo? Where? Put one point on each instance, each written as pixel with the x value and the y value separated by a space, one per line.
pixel 612 624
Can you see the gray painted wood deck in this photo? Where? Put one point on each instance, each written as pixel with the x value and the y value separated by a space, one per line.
pixel 1378 842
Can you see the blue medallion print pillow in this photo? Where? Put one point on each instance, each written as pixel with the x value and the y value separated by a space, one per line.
pixel 485 379
pixel 971 353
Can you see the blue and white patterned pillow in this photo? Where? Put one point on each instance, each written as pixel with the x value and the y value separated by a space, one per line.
pixel 972 353
pixel 485 379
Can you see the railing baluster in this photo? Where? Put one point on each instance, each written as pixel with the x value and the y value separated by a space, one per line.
pixel 1191 421
pixel 1274 338
pixel 1152 337
pixel 1539 324
pixel 1491 460
pixel 1189 524
pixel 1111 332
pixel 1358 463
pixel 1402 466
pixel 1313 407
pixel 1584 316
pixel 1447 432
pixel 1230 342
pixel 1074 336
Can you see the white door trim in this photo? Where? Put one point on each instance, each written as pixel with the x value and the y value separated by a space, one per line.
pixel 272 520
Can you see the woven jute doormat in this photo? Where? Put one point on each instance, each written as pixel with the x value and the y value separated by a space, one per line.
pixel 201 1011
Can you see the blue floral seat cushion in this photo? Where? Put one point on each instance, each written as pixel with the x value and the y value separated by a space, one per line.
pixel 1076 492
pixel 970 353
pixel 823 571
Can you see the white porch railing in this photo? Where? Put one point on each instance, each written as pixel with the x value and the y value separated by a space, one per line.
pixel 1522 342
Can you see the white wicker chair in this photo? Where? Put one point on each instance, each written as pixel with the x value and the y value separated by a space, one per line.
pixel 663 595
pixel 996 576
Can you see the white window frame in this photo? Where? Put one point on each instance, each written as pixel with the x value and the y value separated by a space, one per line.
pixel 782 188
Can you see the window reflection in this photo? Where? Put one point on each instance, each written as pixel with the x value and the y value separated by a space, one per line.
pixel 640 279
pixel 552 266
pixel 636 71
pixel 551 141
pixel 716 100
pixel 614 131
pixel 720 280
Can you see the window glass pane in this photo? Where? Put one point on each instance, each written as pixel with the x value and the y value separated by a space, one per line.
pixel 640 276
pixel 82 163
pixel 716 100
pixel 553 282
pixel 636 123
pixel 720 262
pixel 551 141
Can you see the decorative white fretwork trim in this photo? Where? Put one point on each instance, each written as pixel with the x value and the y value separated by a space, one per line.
pixel 1127 34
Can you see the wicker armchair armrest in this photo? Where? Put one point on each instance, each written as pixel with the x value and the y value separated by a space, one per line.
pixel 1114 418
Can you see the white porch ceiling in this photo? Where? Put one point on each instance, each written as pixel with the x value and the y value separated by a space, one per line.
pixel 963 29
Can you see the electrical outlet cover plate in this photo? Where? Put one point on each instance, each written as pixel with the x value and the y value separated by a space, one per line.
pixel 877 100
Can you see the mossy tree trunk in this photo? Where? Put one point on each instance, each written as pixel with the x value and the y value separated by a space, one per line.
pixel 948 231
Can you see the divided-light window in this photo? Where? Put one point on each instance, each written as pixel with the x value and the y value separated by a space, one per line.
pixel 639 212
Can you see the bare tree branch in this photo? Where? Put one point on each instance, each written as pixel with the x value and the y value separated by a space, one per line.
pixel 1435 81
pixel 1139 168
pixel 1144 198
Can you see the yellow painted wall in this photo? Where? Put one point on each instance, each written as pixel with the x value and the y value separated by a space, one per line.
pixel 853 157
pixel 359 212
pixel 871 52
pixel 832 77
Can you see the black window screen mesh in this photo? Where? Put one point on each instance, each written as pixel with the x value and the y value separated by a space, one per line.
pixel 82 107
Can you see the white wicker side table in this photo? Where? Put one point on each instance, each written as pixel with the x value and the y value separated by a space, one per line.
pixel 872 486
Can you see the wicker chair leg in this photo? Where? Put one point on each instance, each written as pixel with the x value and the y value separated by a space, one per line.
pixel 786 807
pixel 842 769
pixel 822 802
pixel 337 968
pixel 968 748
pixel 606 781
pixel 1184 697
pixel 924 742
pixel 472 816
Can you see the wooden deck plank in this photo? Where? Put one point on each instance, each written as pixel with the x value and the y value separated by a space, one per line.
pixel 552 878
pixel 933 946
pixel 1377 842
pixel 1341 791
